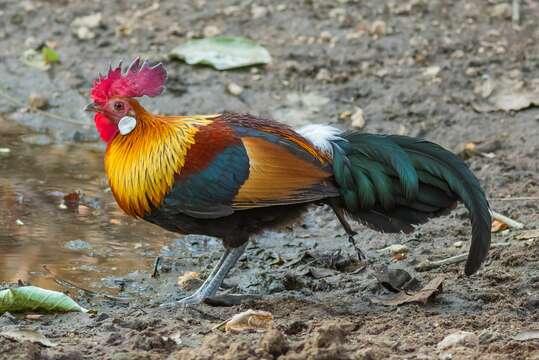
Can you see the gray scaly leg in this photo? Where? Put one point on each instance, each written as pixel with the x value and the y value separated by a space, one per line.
pixel 348 229
pixel 212 283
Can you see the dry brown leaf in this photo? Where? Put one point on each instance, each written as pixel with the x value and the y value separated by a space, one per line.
pixel 506 95
pixel 421 297
pixel 190 280
pixel 399 256
pixel 250 320
pixel 27 335
pixel 498 226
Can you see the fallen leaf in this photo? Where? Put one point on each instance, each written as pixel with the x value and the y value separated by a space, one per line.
pixel 222 52
pixel 528 234
pixel 394 249
pixel 189 281
pixel 50 56
pixel 396 280
pixel 527 335
pixel 36 299
pixel 27 335
pixel 421 297
pixel 459 338
pixel 250 320
pixel 506 95
pixel 498 226
pixel 72 200
pixel 34 59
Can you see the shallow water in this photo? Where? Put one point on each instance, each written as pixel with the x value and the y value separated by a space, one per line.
pixel 90 241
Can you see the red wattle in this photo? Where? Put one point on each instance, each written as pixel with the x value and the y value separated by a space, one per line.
pixel 105 128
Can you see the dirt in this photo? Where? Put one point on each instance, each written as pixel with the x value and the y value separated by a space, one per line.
pixel 414 67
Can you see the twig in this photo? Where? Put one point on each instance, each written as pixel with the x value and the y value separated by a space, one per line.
pixel 512 223
pixel 428 264
pixel 155 273
pixel 521 198
pixel 67 283
pixel 41 112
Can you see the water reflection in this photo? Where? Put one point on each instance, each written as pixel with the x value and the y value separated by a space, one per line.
pixel 36 229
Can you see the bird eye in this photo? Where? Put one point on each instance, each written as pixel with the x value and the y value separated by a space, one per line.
pixel 118 106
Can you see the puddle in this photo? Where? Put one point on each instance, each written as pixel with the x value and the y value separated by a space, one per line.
pixel 87 242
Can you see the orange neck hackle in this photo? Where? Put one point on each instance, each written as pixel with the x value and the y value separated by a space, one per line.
pixel 142 164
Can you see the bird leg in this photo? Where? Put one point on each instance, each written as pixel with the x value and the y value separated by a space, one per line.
pixel 219 272
pixel 351 233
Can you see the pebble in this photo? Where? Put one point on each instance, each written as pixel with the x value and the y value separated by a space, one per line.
pixel 323 75
pixel 234 89
pixel 19 222
pixel 5 150
pixel 502 11
pixel 81 26
pixel 89 21
pixel 458 244
pixel 459 338
pixel 83 33
pixel 78 245
pixel 38 102
pixel 378 28
pixel 258 12
pixel 432 71
pixel 210 31
pixel 358 119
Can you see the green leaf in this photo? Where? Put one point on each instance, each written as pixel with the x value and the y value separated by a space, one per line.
pixel 222 52
pixel 50 56
pixel 36 299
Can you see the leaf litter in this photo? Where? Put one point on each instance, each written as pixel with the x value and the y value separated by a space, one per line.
pixel 428 292
pixel 250 320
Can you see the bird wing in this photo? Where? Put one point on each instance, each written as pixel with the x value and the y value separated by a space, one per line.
pixel 236 165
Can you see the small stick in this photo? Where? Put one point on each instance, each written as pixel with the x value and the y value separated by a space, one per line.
pixel 66 283
pixel 428 265
pixel 44 113
pixel 516 12
pixel 512 223
pixel 155 273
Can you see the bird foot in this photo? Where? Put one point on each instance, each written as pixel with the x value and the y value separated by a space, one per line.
pixel 361 256
pixel 193 299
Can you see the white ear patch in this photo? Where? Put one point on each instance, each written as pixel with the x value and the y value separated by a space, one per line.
pixel 320 136
pixel 127 124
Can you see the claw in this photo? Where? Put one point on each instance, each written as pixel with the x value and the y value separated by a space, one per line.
pixel 360 254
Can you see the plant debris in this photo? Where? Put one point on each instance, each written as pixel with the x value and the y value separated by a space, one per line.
pixel 222 52
pixel 422 296
pixel 250 320
pixel 27 335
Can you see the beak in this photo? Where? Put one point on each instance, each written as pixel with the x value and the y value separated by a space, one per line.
pixel 92 107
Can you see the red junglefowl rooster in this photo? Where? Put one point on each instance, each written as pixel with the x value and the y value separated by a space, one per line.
pixel 233 175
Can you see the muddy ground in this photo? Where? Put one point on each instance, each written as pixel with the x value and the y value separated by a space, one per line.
pixel 419 68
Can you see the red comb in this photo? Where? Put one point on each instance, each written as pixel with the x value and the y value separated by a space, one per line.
pixel 140 79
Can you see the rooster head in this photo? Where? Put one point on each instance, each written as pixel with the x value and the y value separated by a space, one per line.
pixel 113 94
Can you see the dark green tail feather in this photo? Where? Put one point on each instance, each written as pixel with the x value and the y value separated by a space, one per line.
pixel 392 183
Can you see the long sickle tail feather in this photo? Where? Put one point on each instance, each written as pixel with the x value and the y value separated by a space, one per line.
pixel 392 183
